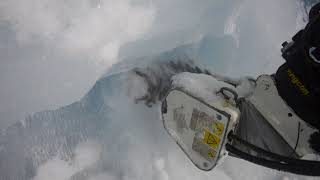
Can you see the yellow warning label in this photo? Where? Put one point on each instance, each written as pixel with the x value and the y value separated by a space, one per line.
pixel 218 128
pixel 226 103
pixel 211 154
pixel 203 149
pixel 211 139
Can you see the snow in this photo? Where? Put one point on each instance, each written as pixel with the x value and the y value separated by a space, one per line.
pixel 203 85
pixel 107 134
pixel 104 136
pixel 207 86
pixel 86 154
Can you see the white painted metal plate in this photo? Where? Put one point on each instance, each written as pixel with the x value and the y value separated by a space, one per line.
pixel 281 117
pixel 198 128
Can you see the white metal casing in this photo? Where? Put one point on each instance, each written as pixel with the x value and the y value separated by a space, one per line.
pixel 181 131
pixel 280 116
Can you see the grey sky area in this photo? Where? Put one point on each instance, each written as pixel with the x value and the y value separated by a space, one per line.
pixel 35 78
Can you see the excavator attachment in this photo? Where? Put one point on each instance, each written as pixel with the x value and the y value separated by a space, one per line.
pixel 198 128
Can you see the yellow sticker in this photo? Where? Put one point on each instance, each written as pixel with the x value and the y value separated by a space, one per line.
pixel 203 149
pixel 226 103
pixel 211 139
pixel 211 154
pixel 218 128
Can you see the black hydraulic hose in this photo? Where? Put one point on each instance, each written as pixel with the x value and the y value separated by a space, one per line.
pixel 309 170
pixel 274 155
pixel 297 141
pixel 264 152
